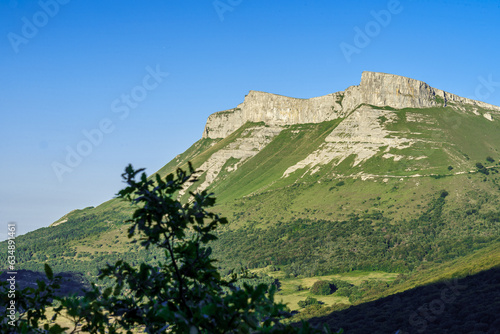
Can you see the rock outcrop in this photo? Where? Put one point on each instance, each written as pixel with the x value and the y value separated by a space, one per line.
pixel 381 89
pixel 377 89
pixel 273 110
pixel 251 142
pixel 361 134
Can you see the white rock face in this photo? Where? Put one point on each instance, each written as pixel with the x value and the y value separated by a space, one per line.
pixel 488 116
pixel 223 123
pixel 360 134
pixel 251 142
pixel 378 89
pixel 381 89
pixel 273 110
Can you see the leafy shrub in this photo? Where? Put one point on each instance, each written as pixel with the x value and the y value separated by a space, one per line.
pixel 309 301
pixel 183 294
pixel 298 288
pixel 481 169
pixel 342 288
pixel 323 288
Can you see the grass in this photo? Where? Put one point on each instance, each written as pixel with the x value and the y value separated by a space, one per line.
pixel 263 171
pixel 399 199
pixel 292 300
pixel 424 278
pixel 289 295
pixel 257 194
pixel 450 139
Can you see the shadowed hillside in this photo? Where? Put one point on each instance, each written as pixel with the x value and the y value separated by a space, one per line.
pixel 467 305
pixel 71 282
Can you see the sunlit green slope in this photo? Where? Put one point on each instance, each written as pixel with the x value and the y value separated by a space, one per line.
pixel 418 186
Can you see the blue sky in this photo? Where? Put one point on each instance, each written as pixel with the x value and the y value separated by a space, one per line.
pixel 138 79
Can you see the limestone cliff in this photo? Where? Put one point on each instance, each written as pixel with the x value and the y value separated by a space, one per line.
pixel 381 89
pixel 378 89
pixel 273 110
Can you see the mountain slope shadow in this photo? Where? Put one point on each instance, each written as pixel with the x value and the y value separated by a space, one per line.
pixel 71 282
pixel 467 305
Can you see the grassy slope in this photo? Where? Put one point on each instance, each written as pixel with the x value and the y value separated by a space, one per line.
pixel 264 170
pixel 256 193
pixel 477 262
pixel 291 297
pixel 465 140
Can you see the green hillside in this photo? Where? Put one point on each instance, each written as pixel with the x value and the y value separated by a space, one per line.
pixel 406 208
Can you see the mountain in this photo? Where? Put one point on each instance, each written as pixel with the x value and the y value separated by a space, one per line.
pixel 376 89
pixel 364 123
pixel 390 175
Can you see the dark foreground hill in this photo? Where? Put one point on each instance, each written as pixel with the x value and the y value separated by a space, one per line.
pixel 467 305
pixel 70 283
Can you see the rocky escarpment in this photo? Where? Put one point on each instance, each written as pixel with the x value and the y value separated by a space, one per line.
pixel 361 134
pixel 381 89
pixel 273 110
pixel 378 89
pixel 229 158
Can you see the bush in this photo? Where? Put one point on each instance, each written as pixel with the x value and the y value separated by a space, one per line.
pixel 482 169
pixel 298 288
pixel 308 301
pixel 342 288
pixel 323 288
pixel 183 294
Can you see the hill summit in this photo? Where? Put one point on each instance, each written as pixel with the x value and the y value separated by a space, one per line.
pixel 386 117
pixel 377 89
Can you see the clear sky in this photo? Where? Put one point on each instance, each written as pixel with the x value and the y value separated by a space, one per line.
pixel 87 87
